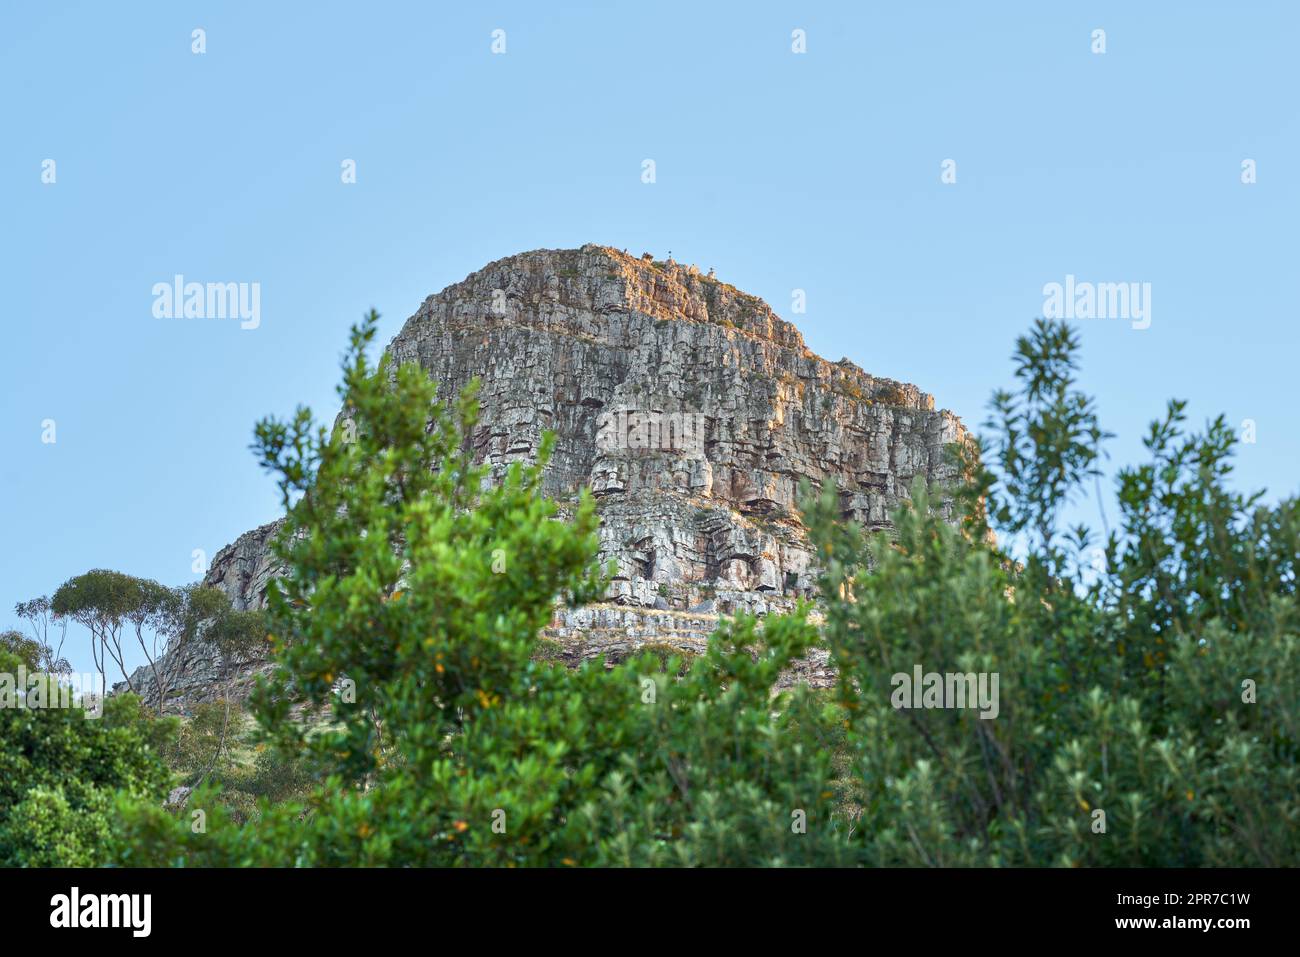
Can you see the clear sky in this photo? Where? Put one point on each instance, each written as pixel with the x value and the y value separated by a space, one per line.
pixel 818 171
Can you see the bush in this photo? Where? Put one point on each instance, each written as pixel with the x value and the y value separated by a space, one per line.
pixel 1145 712
pixel 405 627
pixel 1147 716
pixel 61 771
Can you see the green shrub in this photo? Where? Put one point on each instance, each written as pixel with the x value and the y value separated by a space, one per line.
pixel 61 771
pixel 1158 687
pixel 1122 694
pixel 424 594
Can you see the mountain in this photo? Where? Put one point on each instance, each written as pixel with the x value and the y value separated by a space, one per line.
pixel 688 407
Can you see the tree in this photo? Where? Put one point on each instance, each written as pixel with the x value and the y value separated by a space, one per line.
pixel 162 619
pixel 40 618
pixel 100 600
pixel 408 619
pixel 1146 712
pixel 61 772
pixel 149 607
pixel 27 651
pixel 1148 708
pixel 235 634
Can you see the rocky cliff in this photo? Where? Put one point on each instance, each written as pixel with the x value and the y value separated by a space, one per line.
pixel 690 409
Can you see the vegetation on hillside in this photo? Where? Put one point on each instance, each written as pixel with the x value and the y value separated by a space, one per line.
pixel 1144 712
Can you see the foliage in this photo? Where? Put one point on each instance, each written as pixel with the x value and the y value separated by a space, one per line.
pixel 41 620
pixel 217 746
pixel 112 604
pixel 61 772
pixel 1146 705
pixel 26 650
pixel 407 624
pixel 1127 689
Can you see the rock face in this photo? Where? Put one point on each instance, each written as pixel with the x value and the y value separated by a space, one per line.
pixel 690 409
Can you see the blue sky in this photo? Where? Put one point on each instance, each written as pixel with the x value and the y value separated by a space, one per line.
pixel 818 171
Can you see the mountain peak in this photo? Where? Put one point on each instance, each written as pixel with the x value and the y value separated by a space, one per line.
pixel 691 411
